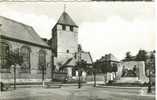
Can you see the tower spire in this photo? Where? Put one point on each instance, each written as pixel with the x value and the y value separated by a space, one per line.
pixel 64 7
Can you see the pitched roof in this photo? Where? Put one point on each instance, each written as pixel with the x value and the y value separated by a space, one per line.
pixel 19 31
pixel 70 62
pixel 86 57
pixel 66 19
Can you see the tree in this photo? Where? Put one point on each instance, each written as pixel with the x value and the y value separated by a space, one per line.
pixel 128 56
pixel 106 67
pixel 14 59
pixel 114 68
pixel 141 55
pixel 81 66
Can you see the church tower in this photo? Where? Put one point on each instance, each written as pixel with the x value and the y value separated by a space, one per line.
pixel 65 43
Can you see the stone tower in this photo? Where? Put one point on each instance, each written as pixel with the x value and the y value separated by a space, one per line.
pixel 65 43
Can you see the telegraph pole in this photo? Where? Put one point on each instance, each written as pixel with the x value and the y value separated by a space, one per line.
pixel 14 76
pixel 79 66
pixel 94 72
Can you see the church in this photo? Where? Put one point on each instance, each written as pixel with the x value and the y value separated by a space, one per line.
pixel 41 59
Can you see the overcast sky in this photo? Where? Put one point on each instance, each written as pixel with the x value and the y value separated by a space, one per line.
pixel 103 27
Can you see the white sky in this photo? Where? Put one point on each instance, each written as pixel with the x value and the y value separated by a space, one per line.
pixel 103 27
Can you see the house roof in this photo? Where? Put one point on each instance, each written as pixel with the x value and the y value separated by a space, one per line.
pixel 66 19
pixel 16 30
pixel 70 62
pixel 86 57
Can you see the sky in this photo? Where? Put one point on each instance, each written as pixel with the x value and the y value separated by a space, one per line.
pixel 104 27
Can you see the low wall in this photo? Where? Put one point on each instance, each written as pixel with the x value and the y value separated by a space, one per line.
pixel 33 76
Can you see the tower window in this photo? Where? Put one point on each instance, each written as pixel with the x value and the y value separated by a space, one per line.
pixel 63 27
pixel 67 51
pixel 71 28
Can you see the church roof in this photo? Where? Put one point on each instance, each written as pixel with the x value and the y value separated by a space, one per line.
pixel 66 19
pixel 19 31
pixel 86 57
pixel 71 62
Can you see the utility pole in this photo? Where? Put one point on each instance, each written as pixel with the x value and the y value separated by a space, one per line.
pixel 79 66
pixel 94 72
pixel 14 76
pixel 52 67
pixel 43 76
pixel 17 59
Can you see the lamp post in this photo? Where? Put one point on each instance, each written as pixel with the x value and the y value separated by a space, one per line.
pixel 79 81
pixel 79 67
pixel 14 76
pixel 43 74
pixel 15 59
pixel 94 73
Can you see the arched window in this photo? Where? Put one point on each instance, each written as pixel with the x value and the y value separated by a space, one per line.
pixel 4 54
pixel 42 60
pixel 25 52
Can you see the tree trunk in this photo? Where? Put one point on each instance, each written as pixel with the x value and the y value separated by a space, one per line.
pixel 115 74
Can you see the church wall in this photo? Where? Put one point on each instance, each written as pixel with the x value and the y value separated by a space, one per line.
pixel 67 40
pixel 35 75
pixel 67 44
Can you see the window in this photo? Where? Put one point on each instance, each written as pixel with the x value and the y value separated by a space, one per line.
pixel 42 60
pixel 73 72
pixel 67 51
pixel 25 52
pixel 63 27
pixel 4 54
pixel 71 28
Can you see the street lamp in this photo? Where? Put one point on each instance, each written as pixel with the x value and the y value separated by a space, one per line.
pixel 43 83
pixel 14 67
pixel 15 59
pixel 79 67
pixel 79 81
pixel 94 72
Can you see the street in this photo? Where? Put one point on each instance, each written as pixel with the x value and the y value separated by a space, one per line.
pixel 73 93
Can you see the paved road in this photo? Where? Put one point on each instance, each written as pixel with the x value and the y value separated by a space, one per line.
pixel 73 93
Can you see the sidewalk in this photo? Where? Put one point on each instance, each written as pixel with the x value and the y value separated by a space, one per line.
pixel 72 93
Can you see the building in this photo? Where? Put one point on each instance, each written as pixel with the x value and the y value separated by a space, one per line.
pixel 107 69
pixel 65 43
pixel 36 54
pixel 111 61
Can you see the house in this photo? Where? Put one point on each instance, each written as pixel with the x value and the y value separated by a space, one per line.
pixel 111 61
